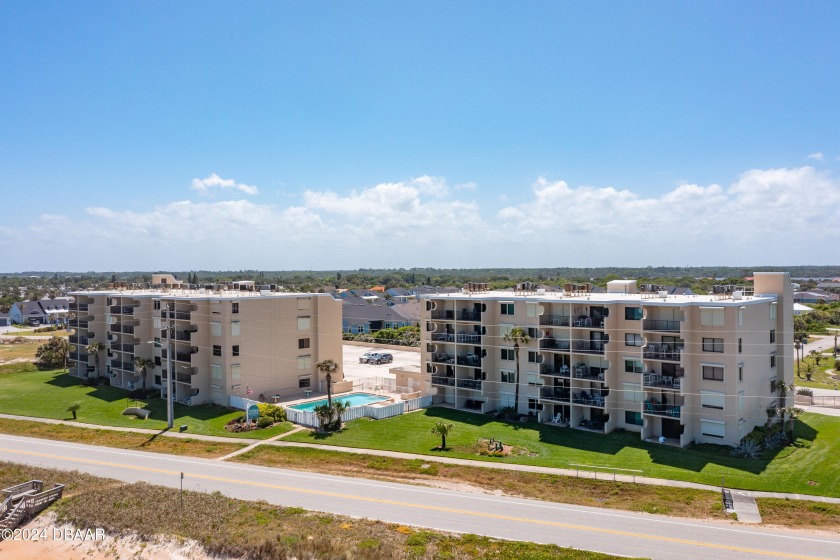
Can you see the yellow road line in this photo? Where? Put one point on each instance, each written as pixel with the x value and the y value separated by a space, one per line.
pixel 421 506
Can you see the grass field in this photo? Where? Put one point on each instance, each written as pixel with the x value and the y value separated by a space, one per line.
pixel 16 351
pixel 242 529
pixel 46 394
pixel 810 470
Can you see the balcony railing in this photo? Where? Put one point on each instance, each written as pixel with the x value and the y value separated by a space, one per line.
pixel 661 325
pixel 555 320
pixel 78 307
pixel 125 366
pixel 589 346
pixel 554 344
pixel 76 323
pixel 662 381
pixel 555 371
pixel 443 380
pixel 651 406
pixel 588 322
pixel 472 361
pixel 182 335
pixel 182 378
pixel 183 357
pixel 555 394
pixel 123 309
pixel 469 384
pixel 445 315
pixel 664 352
pixel 78 357
pixel 593 398
pixel 460 337
pixel 443 358
pixel 469 316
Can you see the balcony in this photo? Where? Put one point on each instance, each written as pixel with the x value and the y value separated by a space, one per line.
pixel 553 344
pixel 588 322
pixel 654 407
pixel 662 381
pixel 555 320
pixel 183 357
pixel 474 384
pixel 594 398
pixel 443 380
pixel 470 360
pixel 443 359
pixel 558 394
pixel 124 366
pixel 182 378
pixel 121 309
pixel 183 335
pixel 445 315
pixel 554 371
pixel 665 352
pixel 589 346
pixel 77 323
pixel 589 373
pixel 469 316
pixel 661 325
pixel 75 356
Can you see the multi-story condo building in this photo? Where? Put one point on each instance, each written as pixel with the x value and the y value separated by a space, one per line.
pixel 689 368
pixel 234 339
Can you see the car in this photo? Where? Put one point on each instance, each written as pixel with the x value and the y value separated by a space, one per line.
pixel 365 358
pixel 381 358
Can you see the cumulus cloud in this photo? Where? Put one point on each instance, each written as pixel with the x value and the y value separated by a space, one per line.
pixel 819 156
pixel 203 186
pixel 766 216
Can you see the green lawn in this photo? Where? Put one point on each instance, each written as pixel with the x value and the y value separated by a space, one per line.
pixel 46 394
pixel 790 470
pixel 821 376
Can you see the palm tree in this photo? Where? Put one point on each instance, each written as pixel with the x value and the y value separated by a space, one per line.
pixel 329 415
pixel 142 365
pixel 95 348
pixel 442 429
pixel 783 408
pixel 518 336
pixel 328 367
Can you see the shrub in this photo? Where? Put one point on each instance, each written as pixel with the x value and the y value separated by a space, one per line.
pixel 264 422
pixel 276 413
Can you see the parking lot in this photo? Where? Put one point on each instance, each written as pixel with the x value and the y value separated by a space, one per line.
pixel 354 370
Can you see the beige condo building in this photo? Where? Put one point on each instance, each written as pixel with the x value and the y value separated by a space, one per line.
pixel 689 368
pixel 226 340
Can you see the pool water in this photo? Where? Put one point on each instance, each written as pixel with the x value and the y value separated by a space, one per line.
pixel 353 399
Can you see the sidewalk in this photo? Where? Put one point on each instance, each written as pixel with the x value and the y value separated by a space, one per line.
pixel 434 459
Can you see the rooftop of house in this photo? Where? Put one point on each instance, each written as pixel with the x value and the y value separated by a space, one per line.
pixel 197 294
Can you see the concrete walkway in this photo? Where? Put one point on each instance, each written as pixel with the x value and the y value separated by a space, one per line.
pixel 260 442
pixel 252 443
pixel 745 507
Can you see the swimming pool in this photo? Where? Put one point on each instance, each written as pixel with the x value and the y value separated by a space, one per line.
pixel 353 399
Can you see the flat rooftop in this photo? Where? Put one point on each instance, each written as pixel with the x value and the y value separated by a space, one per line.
pixel 607 298
pixel 196 294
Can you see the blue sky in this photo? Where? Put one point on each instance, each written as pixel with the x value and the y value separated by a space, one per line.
pixel 290 135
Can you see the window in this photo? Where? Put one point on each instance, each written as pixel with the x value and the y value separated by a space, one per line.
pixel 304 323
pixel 773 311
pixel 533 404
pixel 772 361
pixel 713 428
pixel 740 372
pixel 633 366
pixel 303 343
pixel 156 304
pixel 633 313
pixel 507 376
pixel 773 336
pixel 711 316
pixel 534 379
pixel 157 342
pixel 713 373
pixel 712 345
pixel 304 382
pixel 532 310
pixel 304 362
pixel 508 354
pixel 632 339
pixel 773 386
pixel 303 303
pixel 533 332
pixel 234 350
pixel 216 329
pixel 507 309
pixel 235 371
pixel 216 370
pixel 158 380
pixel 740 345
pixel 533 357
pixel 217 350
pixel 740 316
pixel 633 418
pixel 507 399
pixel 234 328
pixel 709 399
pixel 633 393
pixel 234 307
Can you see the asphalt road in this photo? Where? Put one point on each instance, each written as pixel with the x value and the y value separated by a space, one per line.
pixel 615 532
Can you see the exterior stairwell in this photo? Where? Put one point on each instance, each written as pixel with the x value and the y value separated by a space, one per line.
pixel 25 501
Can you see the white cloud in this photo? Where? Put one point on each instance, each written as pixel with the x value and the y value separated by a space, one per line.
pixel 766 216
pixel 468 186
pixel 203 186
pixel 819 156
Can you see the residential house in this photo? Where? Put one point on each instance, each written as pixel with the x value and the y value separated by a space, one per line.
pixel 41 312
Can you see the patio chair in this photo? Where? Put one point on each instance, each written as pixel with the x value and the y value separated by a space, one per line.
pixel 558 419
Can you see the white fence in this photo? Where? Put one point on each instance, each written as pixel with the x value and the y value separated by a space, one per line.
pixel 241 403
pixel 310 419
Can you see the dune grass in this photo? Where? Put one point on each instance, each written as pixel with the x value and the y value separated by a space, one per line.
pixel 806 470
pixel 46 394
